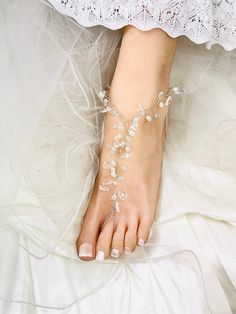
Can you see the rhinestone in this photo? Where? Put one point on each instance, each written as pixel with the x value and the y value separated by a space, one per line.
pixel 161 95
pixel 161 104
pixel 114 197
pixel 122 195
pixel 120 178
pixel 157 115
pixel 118 126
pixel 148 118
pixel 113 172
pixel 117 136
pixel 112 148
pixel 113 163
pixel 106 165
pixel 105 101
pixel 168 100
pixel 105 109
pixel 107 182
pixel 141 109
pixel 126 155
pixel 127 149
pixel 116 206
pixel 104 188
pixel 102 93
pixel 177 90
pixel 131 132
pixel 122 144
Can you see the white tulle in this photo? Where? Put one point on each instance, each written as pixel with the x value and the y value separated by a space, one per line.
pixel 50 131
pixel 203 21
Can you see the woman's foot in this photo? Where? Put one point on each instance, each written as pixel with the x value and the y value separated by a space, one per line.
pixel 142 71
pixel 141 183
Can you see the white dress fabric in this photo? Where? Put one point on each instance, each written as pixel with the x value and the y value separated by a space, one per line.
pixel 50 132
pixel 211 21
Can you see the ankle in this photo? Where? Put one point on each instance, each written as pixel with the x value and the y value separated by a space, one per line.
pixel 128 92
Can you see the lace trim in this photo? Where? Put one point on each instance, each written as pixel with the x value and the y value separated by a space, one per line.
pixel 208 21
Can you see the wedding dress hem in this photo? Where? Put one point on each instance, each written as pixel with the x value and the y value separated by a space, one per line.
pixel 205 30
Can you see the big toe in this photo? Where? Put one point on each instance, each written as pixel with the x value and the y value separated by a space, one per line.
pixel 86 242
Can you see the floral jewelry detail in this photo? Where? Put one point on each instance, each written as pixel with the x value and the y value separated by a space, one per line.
pixel 121 147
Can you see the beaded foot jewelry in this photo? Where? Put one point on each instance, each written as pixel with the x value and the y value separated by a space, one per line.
pixel 121 147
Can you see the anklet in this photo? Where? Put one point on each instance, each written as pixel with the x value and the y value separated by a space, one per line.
pixel 121 147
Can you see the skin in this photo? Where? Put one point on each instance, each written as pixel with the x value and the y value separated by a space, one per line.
pixel 143 69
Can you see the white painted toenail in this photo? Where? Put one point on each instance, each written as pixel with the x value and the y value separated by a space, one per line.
pixel 141 242
pixel 127 251
pixel 100 256
pixel 85 250
pixel 115 253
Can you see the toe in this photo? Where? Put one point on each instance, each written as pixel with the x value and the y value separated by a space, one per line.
pixel 144 230
pixel 104 242
pixel 87 240
pixel 118 240
pixel 131 238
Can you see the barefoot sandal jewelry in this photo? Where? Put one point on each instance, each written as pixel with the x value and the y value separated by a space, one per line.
pixel 121 146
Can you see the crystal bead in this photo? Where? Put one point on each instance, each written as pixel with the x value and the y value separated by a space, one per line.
pixel 122 195
pixel 113 172
pixel 122 144
pixel 120 178
pixel 106 165
pixel 141 109
pixel 148 118
pixel 108 182
pixel 118 125
pixel 176 89
pixel 114 197
pixel 168 100
pixel 105 101
pixel 126 155
pixel 161 95
pixel 104 188
pixel 161 104
pixel 131 132
pixel 112 148
pixel 128 138
pixel 116 206
pixel 117 136
pixel 116 113
pixel 113 163
pixel 102 93
pixel 105 109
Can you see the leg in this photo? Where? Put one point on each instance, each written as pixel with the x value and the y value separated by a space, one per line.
pixel 143 69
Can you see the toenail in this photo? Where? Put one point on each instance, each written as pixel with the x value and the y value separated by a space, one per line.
pixel 141 242
pixel 85 250
pixel 115 253
pixel 100 256
pixel 127 251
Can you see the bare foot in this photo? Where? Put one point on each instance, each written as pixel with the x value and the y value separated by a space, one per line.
pixel 101 236
pixel 142 70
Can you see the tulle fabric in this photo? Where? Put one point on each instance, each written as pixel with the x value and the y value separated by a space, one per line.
pixel 50 131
